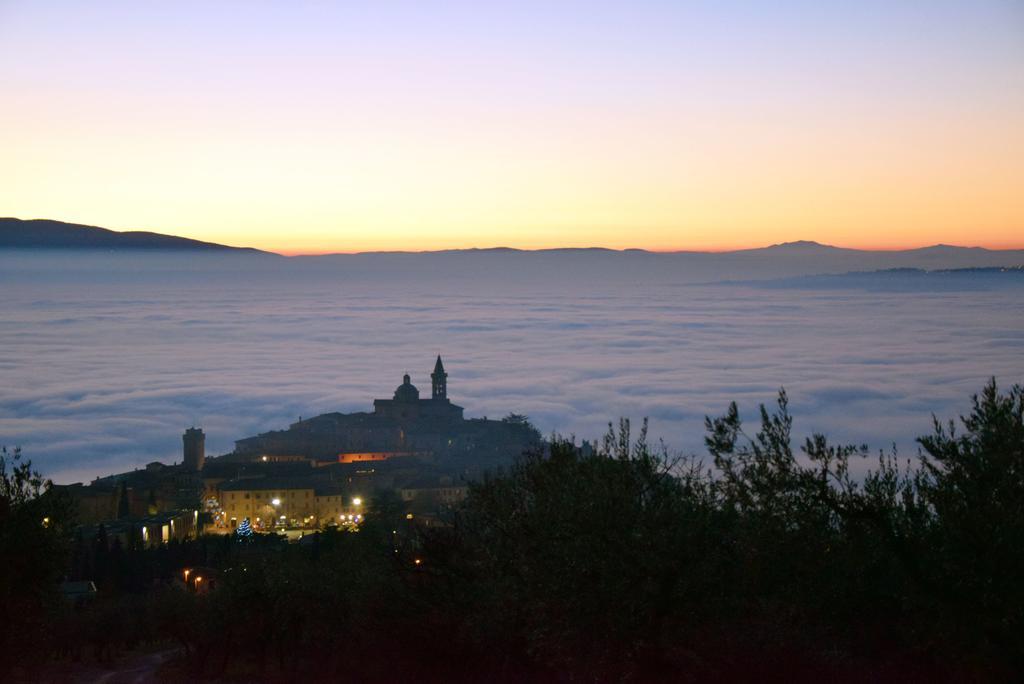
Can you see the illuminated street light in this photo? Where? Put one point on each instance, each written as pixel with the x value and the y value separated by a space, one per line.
pixel 276 502
pixel 187 572
pixel 357 501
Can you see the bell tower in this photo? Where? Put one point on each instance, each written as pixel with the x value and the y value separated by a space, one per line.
pixel 195 449
pixel 439 381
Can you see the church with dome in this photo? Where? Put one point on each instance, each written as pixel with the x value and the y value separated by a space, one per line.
pixel 407 405
pixel 406 425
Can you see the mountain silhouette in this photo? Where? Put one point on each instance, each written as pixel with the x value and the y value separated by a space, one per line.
pixel 787 259
pixel 47 234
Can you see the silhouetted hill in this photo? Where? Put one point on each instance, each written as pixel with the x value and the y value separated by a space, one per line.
pixel 797 248
pixel 902 280
pixel 506 266
pixel 46 234
pixel 554 267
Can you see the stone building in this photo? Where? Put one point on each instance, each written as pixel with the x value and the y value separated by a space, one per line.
pixel 146 531
pixel 433 493
pixel 405 425
pixel 288 501
pixel 195 449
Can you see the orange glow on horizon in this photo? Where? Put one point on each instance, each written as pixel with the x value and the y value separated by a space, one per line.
pixel 271 243
pixel 675 128
pixel 871 247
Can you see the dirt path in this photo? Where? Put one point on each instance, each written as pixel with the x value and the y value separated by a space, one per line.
pixel 136 670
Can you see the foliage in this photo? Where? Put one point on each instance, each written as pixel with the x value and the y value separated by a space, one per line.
pixel 973 485
pixel 620 563
pixel 573 559
pixel 34 522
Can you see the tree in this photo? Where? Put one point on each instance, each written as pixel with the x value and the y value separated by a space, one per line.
pixel 244 531
pixel 973 481
pixel 569 561
pixel 813 549
pixel 34 525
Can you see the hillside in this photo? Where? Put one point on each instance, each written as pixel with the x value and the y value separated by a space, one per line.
pixel 46 234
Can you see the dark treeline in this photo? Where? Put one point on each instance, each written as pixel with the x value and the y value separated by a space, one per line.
pixel 620 563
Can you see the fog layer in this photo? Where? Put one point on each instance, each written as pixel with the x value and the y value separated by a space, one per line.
pixel 106 359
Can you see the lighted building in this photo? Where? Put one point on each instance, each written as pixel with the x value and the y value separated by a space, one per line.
pixel 150 531
pixel 293 502
pixel 370 456
pixel 167 527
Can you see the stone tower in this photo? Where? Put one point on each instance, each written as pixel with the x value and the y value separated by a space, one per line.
pixel 195 449
pixel 439 381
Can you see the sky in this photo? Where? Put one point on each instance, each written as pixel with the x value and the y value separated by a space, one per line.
pixel 308 127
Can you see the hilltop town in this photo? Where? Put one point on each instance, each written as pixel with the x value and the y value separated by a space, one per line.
pixel 319 472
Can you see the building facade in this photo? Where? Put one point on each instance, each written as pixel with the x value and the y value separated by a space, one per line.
pixel 289 502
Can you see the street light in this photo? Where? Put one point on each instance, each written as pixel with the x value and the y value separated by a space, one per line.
pixel 276 502
pixel 357 501
pixel 187 572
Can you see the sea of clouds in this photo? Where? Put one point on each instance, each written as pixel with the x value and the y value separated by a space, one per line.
pixel 104 361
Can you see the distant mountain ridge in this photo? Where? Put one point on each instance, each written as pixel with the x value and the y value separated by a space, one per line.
pixel 639 267
pixel 507 264
pixel 47 234
pixel 968 279
pixel 799 248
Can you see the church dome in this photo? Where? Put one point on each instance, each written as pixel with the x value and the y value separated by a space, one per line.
pixel 407 391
